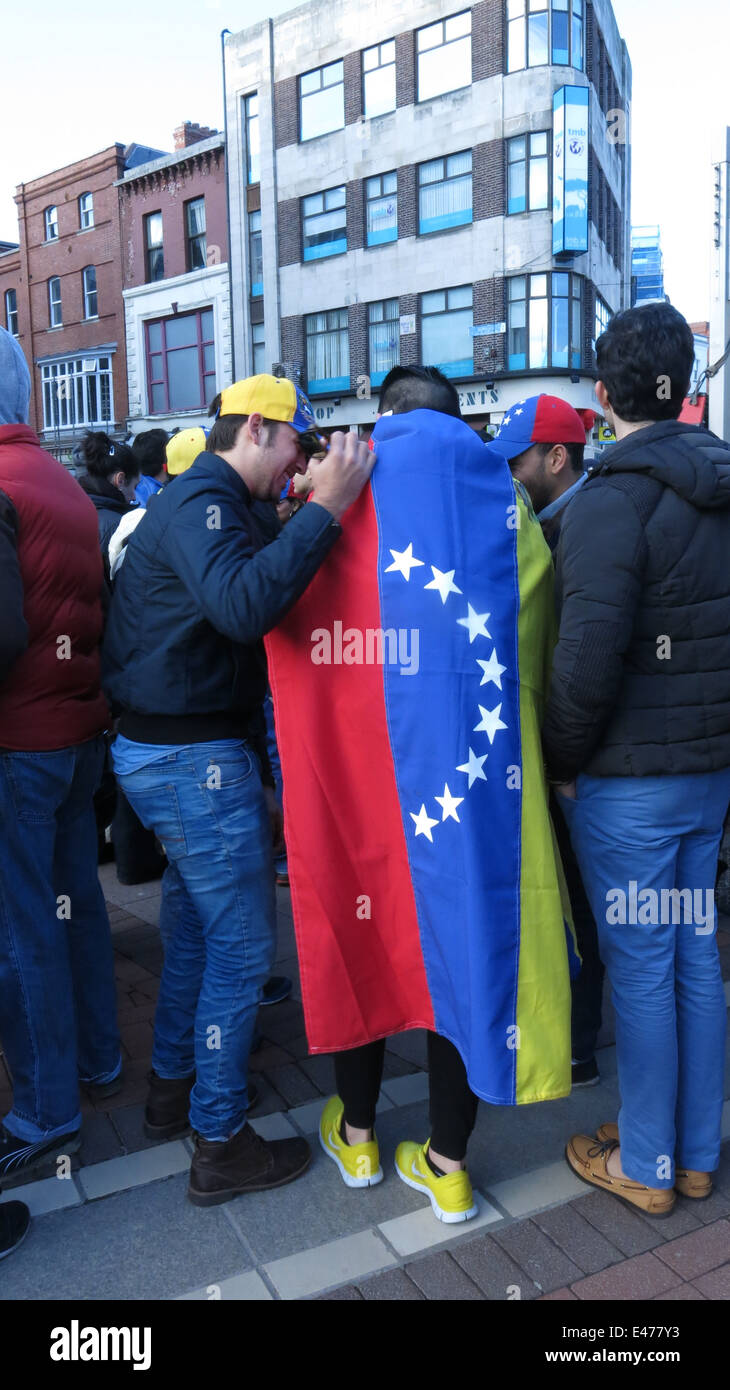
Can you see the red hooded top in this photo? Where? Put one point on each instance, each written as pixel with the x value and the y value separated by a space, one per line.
pixel 52 696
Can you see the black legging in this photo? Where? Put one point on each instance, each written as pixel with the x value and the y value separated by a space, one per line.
pixel 453 1106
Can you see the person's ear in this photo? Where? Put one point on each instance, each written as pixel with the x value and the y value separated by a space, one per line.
pixel 602 397
pixel 254 426
pixel 558 459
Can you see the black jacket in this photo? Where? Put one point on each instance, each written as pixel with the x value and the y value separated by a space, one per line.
pixel 110 508
pixel 641 675
pixel 183 657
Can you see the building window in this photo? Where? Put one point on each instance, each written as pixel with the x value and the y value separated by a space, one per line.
pixel 86 211
pixel 383 339
pixel 321 101
pixel 154 255
pixel 603 317
pixel 378 79
pixel 381 209
pixel 50 217
pixel 91 299
pixel 252 133
pixel 77 392
pixel 444 56
pixel 181 362
pixel 54 302
pixel 544 321
pixel 195 228
pixel 544 31
pixel 11 312
pixel 324 224
pixel 328 351
pixel 259 348
pixel 444 193
pixel 446 342
pixel 255 252
pixel 527 173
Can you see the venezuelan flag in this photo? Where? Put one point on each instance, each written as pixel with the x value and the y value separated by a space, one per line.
pixel 408 684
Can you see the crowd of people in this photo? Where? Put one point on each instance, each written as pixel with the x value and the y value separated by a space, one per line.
pixel 134 603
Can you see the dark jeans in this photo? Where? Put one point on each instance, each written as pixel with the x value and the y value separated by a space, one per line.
pixel 453 1107
pixel 587 988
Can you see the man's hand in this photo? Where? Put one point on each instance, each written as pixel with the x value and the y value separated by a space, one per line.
pixel 276 820
pixel 339 478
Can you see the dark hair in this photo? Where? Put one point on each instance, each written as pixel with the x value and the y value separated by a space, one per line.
pixel 149 449
pixel 575 454
pixel 225 431
pixel 103 457
pixel 418 388
pixel 645 358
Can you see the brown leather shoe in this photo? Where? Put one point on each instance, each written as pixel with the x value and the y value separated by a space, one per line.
pixel 686 1180
pixel 588 1157
pixel 245 1163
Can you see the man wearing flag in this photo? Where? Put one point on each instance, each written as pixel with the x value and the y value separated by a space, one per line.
pixel 425 885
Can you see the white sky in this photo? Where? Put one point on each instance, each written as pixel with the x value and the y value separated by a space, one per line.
pixel 78 76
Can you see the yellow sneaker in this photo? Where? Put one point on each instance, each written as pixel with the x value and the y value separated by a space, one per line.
pixel 359 1164
pixel 451 1197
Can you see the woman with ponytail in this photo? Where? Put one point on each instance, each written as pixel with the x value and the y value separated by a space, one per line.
pixel 112 473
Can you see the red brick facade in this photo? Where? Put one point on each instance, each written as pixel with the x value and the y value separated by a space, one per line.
pixel 193 173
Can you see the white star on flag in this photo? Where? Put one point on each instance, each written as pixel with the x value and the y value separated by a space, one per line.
pixel 448 803
pixel 423 823
pixel 492 670
pixel 476 623
pixel 490 722
pixel 474 767
pixel 403 561
pixel 506 421
pixel 444 582
pixel 519 412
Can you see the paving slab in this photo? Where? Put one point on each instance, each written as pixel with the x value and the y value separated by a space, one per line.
pixel 99 1139
pixel 716 1284
pixel 699 1252
pixel 128 1121
pixel 347 1293
pixel 312 1271
pixel 275 1126
pixel 547 1265
pixel 249 1287
pixel 531 1191
pixel 494 1271
pixel 292 1084
pixel 686 1293
pixel 617 1223
pixel 441 1278
pixel 581 1241
pixel 146 1244
pixel 134 1170
pixel 643 1276
pixel 307 1117
pixel 419 1230
pixel 49 1194
pixel 404 1090
pixel 393 1286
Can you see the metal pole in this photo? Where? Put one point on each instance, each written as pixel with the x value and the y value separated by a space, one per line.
pixel 228 205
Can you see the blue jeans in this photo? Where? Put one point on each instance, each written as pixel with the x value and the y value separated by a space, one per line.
pixel 206 803
pixel 636 839
pixel 58 1005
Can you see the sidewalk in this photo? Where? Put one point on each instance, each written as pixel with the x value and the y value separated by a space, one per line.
pixel 120 1226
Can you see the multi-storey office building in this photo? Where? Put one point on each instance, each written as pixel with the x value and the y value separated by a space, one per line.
pixel 453 190
pixel 719 384
pixel 175 276
pixel 647 266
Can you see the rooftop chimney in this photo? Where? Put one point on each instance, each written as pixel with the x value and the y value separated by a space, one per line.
pixel 189 133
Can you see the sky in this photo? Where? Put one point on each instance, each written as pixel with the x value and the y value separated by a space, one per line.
pixel 78 77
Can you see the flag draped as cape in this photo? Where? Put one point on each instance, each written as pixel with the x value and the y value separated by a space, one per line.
pixel 408 685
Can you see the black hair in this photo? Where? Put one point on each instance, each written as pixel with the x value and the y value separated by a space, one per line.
pixel 645 358
pixel 149 449
pixel 103 457
pixel 418 388
pixel 574 451
pixel 225 431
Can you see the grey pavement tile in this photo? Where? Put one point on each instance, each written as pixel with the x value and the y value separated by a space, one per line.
pixel 680 1220
pixel 440 1278
pixel 581 1241
pixel 269 1101
pixel 134 1170
pixel 393 1286
pixel 529 1192
pixel 404 1090
pixel 320 1072
pixel 298 1048
pixel 716 1284
pixel 274 1126
pixel 411 1046
pixel 268 1057
pixel 128 1120
pixel 148 910
pixel 421 1230
pixel 50 1194
pixel 339 1262
pixel 712 1208
pixel 495 1272
pixel 396 1066
pixel 292 1084
pixel 699 1252
pixel 99 1139
pixel 627 1231
pixel 347 1294
pixel 248 1287
pixel 643 1276
pixel 686 1293
pixel 147 1244
pixel 547 1265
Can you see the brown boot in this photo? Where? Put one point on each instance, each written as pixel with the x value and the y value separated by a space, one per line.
pixel 588 1159
pixel 686 1180
pixel 245 1163
pixel 168 1103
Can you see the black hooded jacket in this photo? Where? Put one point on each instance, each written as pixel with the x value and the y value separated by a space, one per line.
pixel 641 675
pixel 110 508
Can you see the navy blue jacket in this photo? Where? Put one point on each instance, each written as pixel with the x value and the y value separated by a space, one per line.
pixel 183 658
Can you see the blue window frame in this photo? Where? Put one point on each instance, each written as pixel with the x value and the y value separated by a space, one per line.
pixel 328 351
pixel 324 224
pixel 446 319
pixel 381 209
pixel 444 193
pixel 383 339
pixel 544 31
pixel 321 101
pixel 255 251
pixel 527 173
pixel 544 321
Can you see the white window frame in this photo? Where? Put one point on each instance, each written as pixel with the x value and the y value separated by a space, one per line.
pixel 444 33
pixel 89 291
pixel 327 79
pixel 11 314
pixel 50 222
pixel 86 214
pixel 67 394
pixel 55 304
pixel 381 52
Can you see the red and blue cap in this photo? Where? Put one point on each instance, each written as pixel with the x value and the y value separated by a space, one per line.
pixel 538 420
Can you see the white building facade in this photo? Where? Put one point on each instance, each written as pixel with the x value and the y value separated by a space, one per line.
pixel 454 191
pixel 719 385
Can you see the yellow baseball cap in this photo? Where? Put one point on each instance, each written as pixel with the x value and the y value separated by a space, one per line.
pixel 183 449
pixel 274 397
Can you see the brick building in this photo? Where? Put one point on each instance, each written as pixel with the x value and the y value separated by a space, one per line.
pixel 175 281
pixel 62 296
pixel 465 177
